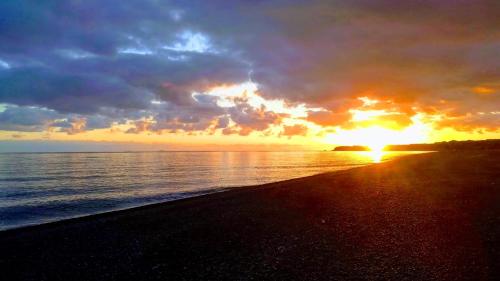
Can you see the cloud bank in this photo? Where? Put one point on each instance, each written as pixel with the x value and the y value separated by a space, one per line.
pixel 74 66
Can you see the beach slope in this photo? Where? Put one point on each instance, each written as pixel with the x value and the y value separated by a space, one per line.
pixel 432 216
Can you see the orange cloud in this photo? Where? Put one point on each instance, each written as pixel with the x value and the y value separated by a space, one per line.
pixel 76 126
pixel 328 118
pixel 295 130
pixel 483 90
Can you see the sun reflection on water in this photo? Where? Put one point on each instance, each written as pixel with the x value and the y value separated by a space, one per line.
pixel 376 155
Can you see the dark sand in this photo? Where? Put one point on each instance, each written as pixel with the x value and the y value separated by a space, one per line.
pixel 423 217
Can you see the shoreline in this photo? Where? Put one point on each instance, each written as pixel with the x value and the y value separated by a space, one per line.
pixel 193 194
pixel 431 216
pixel 152 205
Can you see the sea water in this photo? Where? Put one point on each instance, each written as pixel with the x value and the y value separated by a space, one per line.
pixel 43 187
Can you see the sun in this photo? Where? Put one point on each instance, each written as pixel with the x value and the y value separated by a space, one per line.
pixel 376 138
pixel 377 146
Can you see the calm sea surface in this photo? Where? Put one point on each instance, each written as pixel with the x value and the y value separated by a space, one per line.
pixel 42 187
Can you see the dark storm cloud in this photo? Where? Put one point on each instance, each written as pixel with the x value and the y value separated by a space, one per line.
pixel 67 92
pixel 26 119
pixel 109 59
pixel 35 119
pixel 254 118
pixel 95 26
pixel 416 53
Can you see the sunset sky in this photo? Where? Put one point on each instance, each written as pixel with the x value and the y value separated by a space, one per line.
pixel 247 74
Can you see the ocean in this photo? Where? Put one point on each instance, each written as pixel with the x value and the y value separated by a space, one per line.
pixel 37 188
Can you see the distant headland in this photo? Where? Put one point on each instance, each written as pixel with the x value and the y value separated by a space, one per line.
pixel 438 146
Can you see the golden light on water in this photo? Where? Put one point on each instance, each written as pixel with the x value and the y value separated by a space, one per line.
pixel 377 150
pixel 376 155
